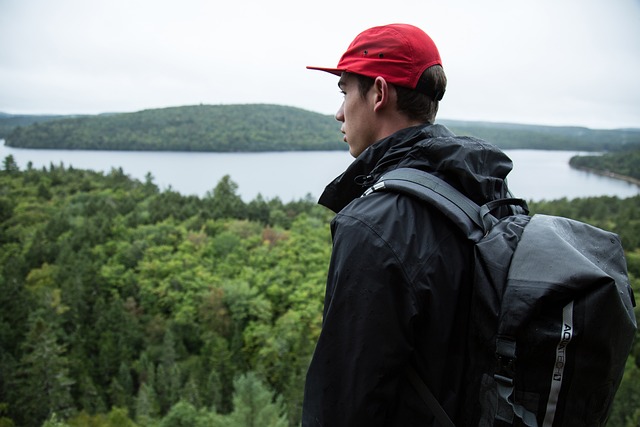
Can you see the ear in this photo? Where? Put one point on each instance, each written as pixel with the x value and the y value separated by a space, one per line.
pixel 382 93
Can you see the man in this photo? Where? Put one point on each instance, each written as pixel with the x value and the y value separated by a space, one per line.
pixel 398 283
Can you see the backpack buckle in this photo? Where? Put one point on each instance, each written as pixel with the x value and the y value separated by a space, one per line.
pixel 506 355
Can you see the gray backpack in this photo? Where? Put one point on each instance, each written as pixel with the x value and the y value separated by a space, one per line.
pixel 551 322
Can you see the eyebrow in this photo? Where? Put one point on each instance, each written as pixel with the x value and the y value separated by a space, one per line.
pixel 341 83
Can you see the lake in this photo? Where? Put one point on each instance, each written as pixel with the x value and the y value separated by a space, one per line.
pixel 537 174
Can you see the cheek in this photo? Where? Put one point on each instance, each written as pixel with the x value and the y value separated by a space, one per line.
pixel 350 112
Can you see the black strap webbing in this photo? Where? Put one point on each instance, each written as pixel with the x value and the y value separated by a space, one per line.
pixel 475 221
pixel 428 397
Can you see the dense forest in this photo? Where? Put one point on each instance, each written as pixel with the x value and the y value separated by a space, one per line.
pixel 222 128
pixel 9 122
pixel 626 163
pixel 127 306
pixel 262 127
pixel 512 136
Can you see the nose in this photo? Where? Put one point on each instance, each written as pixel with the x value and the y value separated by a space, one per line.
pixel 340 113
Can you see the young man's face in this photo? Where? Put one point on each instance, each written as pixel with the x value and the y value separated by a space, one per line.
pixel 357 116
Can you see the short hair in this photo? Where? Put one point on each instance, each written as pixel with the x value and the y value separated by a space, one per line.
pixel 421 106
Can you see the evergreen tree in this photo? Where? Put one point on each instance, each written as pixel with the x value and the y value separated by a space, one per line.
pixel 220 368
pixel 224 201
pixel 168 374
pixel 121 388
pixel 10 164
pixel 89 395
pixel 191 392
pixel 254 405
pixel 43 379
pixel 147 408
pixel 121 297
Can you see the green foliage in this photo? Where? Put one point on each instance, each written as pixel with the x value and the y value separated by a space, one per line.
pixel 123 305
pixel 54 421
pixel 512 136
pixel 116 295
pixel 222 128
pixel 117 417
pixel 184 414
pixel 254 405
pixel 8 122
pixel 42 380
pixel 626 163
pixel 4 421
pixel 258 127
pixel 10 164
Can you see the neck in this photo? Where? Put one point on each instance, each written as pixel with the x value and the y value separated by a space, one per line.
pixel 395 123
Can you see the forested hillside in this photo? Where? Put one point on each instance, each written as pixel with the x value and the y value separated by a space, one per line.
pixel 222 128
pixel 511 136
pixel 265 128
pixel 123 305
pixel 9 122
pixel 626 163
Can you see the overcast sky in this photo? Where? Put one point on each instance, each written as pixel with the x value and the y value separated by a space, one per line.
pixel 558 62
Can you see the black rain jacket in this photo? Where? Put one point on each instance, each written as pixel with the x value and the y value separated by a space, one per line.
pixel 398 284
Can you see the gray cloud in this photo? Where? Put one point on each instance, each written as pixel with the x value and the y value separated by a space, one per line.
pixel 573 62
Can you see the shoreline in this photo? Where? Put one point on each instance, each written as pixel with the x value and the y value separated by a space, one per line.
pixel 608 174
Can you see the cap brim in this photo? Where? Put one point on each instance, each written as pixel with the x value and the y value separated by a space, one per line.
pixel 335 71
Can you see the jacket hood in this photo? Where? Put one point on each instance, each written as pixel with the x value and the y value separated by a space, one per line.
pixel 476 168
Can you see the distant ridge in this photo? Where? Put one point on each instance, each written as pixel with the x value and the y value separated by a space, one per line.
pixel 573 138
pixel 222 128
pixel 264 127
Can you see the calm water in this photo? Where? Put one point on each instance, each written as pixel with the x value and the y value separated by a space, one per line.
pixel 537 175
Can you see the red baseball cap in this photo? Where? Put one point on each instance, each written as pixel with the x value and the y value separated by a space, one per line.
pixel 397 52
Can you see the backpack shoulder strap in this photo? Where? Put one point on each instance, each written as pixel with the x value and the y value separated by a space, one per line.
pixel 436 192
pixel 474 221
pixel 428 397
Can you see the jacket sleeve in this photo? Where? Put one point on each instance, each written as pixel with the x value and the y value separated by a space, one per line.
pixel 365 340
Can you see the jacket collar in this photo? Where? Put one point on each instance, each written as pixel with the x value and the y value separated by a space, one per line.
pixel 473 166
